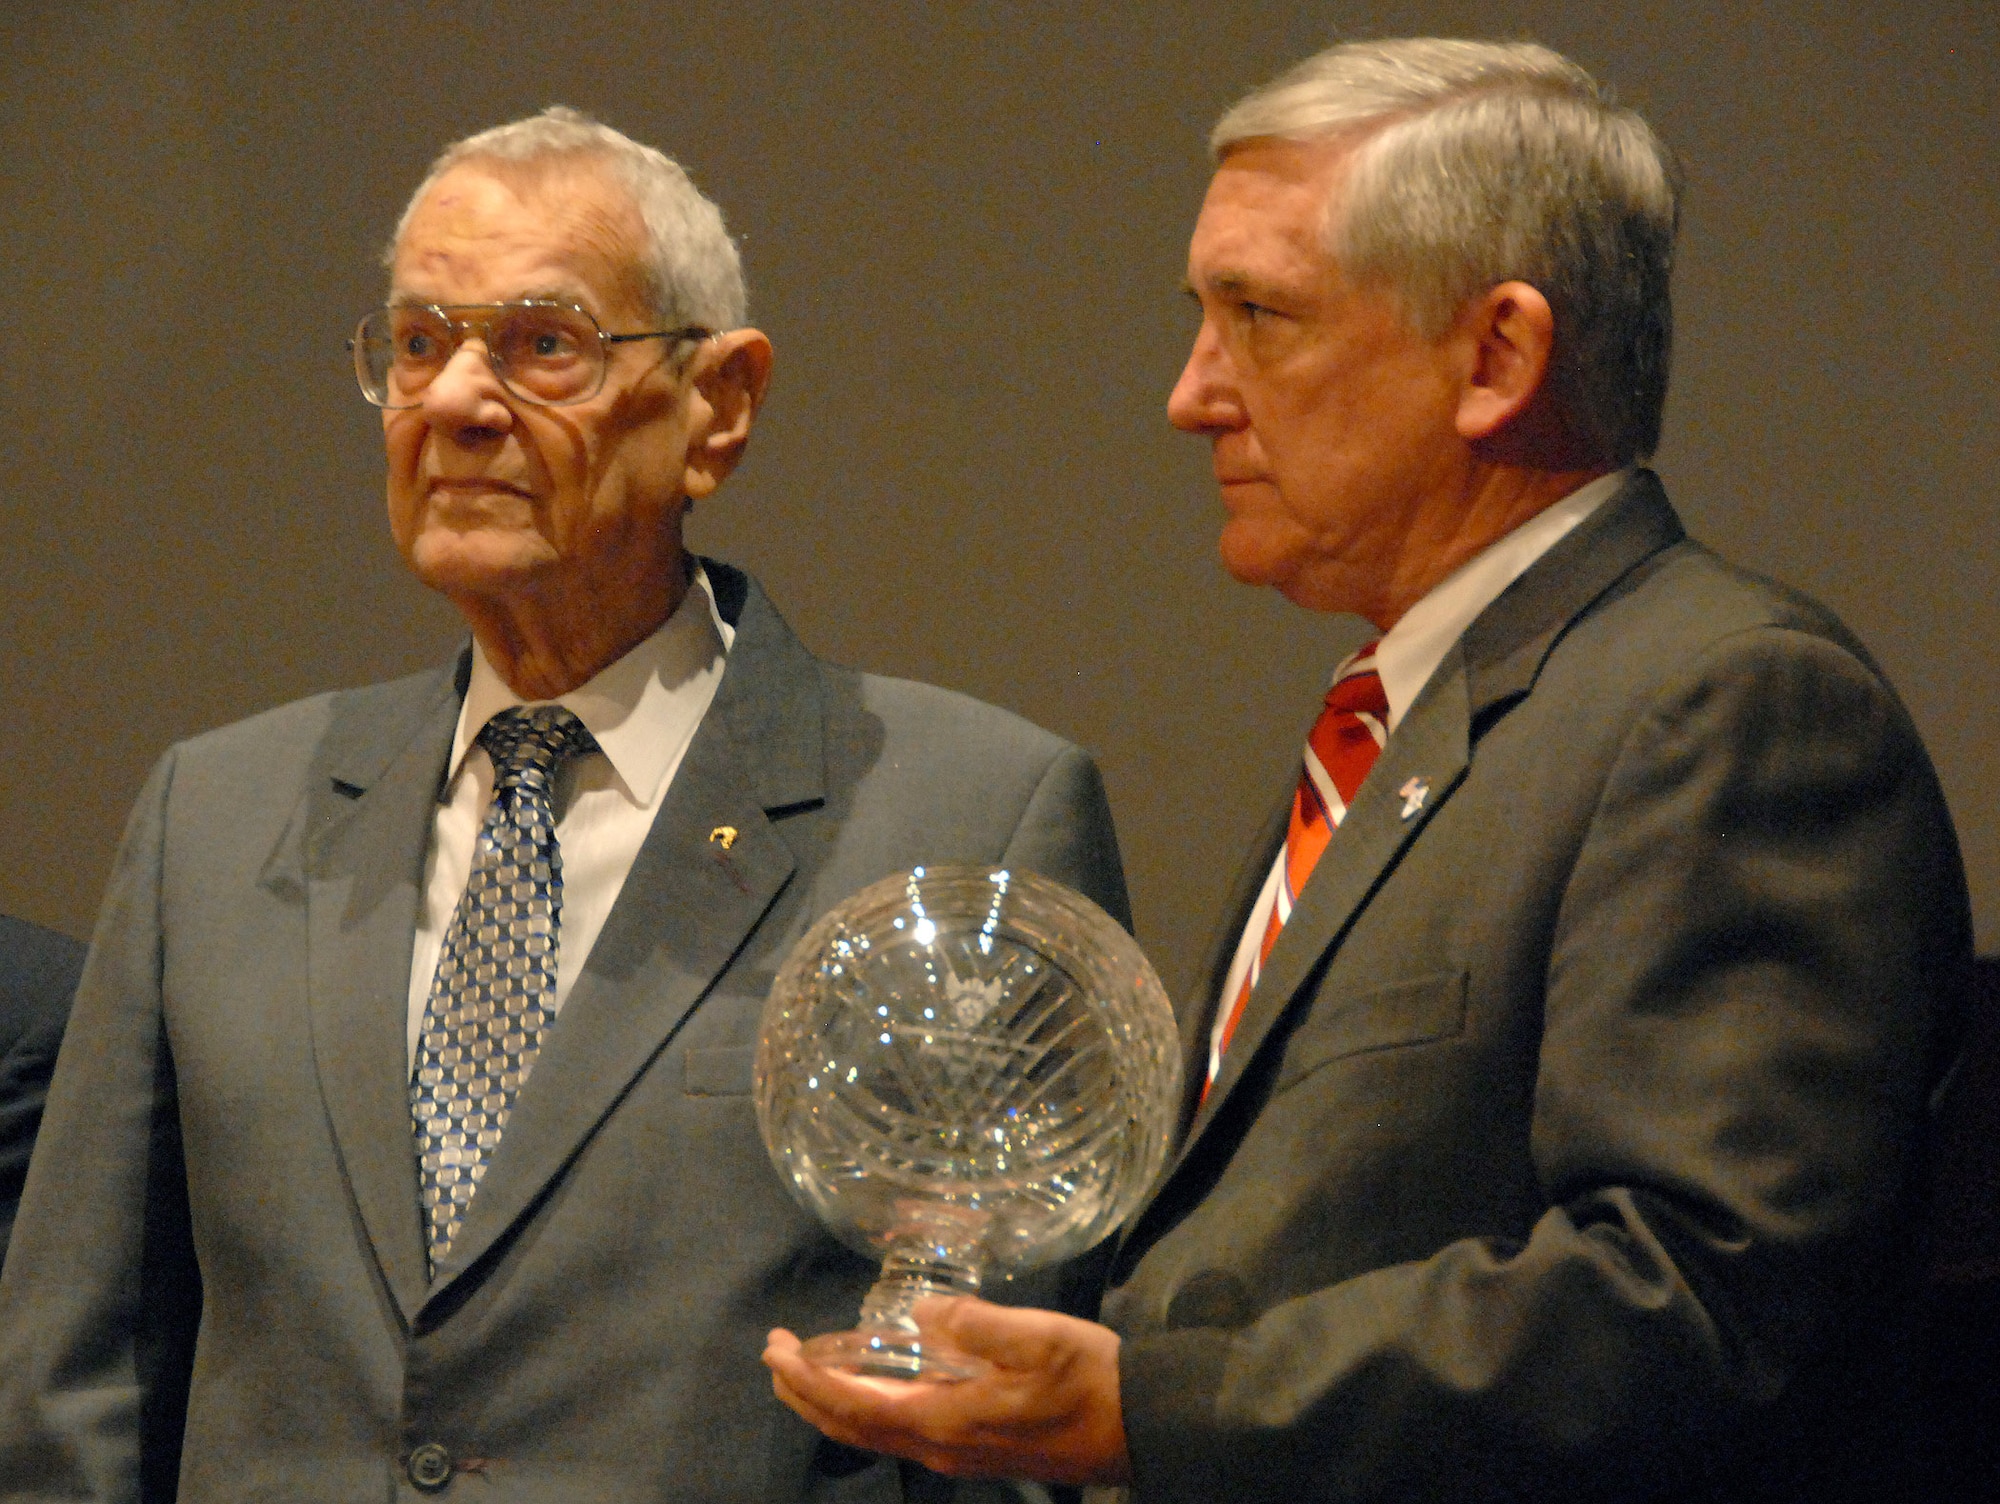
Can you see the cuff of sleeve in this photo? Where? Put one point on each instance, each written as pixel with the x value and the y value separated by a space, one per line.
pixel 1167 1386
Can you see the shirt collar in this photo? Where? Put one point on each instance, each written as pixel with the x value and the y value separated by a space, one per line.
pixel 1411 650
pixel 642 709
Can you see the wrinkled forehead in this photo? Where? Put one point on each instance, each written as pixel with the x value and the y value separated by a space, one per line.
pixel 556 226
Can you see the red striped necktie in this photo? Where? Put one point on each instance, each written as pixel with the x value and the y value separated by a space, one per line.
pixel 1344 743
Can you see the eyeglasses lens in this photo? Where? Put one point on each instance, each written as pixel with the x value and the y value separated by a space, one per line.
pixel 541 352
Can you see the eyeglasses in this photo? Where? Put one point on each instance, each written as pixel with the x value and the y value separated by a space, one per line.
pixel 547 353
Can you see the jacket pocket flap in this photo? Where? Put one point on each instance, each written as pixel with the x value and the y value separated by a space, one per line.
pixel 1402 1013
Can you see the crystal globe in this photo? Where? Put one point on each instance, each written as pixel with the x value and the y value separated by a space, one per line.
pixel 967 1072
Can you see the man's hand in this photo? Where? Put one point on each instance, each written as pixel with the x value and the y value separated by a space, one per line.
pixel 1048 1409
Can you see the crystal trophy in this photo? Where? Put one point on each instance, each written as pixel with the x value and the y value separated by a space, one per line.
pixel 966 1072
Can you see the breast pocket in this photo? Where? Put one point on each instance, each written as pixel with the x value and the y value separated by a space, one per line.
pixel 719 1073
pixel 1418 1011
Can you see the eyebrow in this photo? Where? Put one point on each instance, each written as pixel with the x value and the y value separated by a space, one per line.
pixel 568 296
pixel 1237 285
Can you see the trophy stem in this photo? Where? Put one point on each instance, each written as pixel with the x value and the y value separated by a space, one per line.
pixel 933 1251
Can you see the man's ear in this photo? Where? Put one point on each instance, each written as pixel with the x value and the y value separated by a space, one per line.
pixel 729 375
pixel 1510 335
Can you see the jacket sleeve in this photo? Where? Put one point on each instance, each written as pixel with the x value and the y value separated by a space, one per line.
pixel 100 1291
pixel 1750 982
pixel 1066 833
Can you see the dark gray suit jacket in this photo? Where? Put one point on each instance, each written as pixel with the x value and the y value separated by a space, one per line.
pixel 222 1268
pixel 38 971
pixel 1569 1146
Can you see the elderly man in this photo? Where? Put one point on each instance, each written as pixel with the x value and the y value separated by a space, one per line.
pixel 402 1145
pixel 1560 1079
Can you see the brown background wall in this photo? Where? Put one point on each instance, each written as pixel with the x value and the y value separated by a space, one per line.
pixel 964 227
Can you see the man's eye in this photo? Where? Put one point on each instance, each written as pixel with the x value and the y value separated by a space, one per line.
pixel 418 346
pixel 540 342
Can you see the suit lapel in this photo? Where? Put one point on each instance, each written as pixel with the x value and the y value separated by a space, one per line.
pixel 685 910
pixel 368 816
pixel 1493 665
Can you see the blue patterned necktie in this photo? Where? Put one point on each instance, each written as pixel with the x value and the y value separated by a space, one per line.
pixel 495 988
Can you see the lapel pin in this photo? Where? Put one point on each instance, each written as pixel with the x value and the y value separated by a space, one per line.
pixel 1414 791
pixel 723 836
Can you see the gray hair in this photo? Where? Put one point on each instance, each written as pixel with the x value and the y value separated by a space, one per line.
pixel 693 274
pixel 1477 163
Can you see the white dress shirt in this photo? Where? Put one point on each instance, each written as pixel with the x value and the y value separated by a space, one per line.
pixel 643 710
pixel 1409 654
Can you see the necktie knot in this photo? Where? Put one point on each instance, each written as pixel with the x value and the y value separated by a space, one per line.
pixel 528 745
pixel 1357 687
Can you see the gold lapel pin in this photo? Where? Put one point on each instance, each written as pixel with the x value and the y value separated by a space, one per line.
pixel 723 836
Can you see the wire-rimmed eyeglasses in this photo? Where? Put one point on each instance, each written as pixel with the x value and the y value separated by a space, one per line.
pixel 543 352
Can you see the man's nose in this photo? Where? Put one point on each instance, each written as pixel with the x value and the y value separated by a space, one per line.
pixel 1204 399
pixel 465 399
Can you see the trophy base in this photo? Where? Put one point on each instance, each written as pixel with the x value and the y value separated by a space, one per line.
pixel 893 1355
pixel 932 1251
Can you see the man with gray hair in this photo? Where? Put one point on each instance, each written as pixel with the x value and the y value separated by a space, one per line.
pixel 402 1144
pixel 1559 1080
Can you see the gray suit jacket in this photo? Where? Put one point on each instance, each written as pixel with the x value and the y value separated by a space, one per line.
pixel 221 1272
pixel 1568 1147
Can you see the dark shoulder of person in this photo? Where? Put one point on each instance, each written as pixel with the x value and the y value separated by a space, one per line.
pixel 38 975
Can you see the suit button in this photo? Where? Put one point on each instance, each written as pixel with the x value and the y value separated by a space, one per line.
pixel 429 1467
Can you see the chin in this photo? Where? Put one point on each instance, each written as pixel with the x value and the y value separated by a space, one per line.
pixel 1299 579
pixel 479 563
pixel 1250 558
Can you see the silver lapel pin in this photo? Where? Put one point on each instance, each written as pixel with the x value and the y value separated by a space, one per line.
pixel 1414 791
